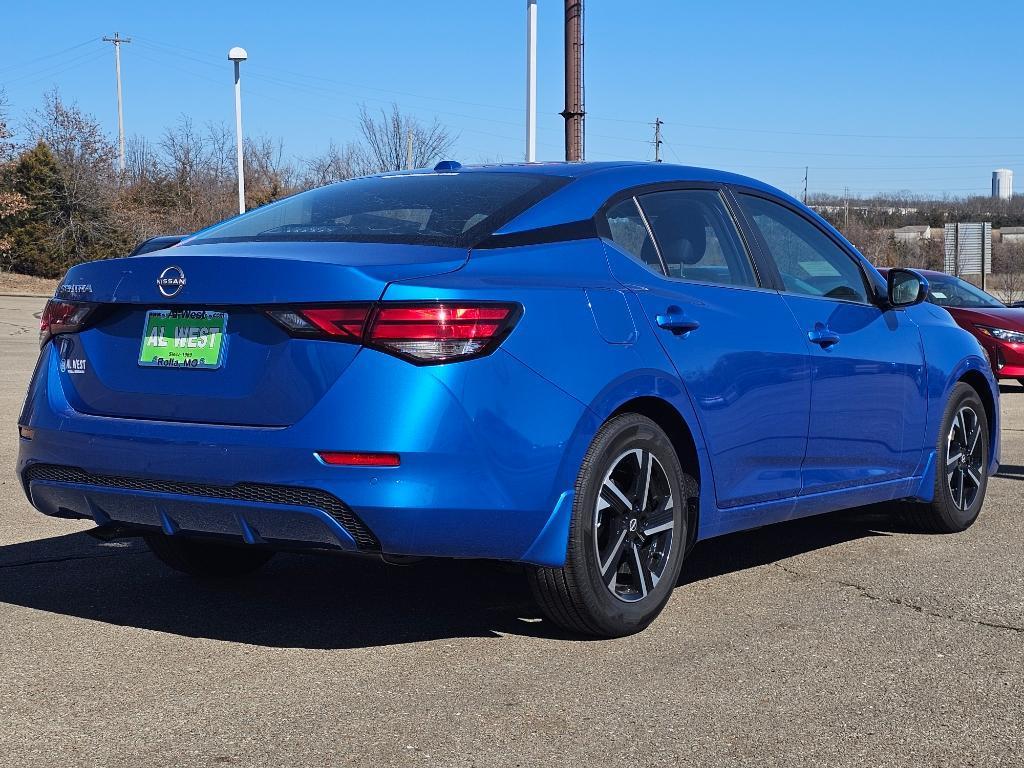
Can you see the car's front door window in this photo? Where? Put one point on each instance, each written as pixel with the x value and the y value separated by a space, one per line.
pixel 809 262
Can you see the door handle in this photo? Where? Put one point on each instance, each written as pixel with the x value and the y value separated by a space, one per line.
pixel 823 337
pixel 674 320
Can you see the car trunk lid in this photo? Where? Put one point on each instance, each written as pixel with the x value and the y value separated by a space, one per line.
pixel 266 377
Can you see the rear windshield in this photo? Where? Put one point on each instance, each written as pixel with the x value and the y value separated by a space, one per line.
pixel 458 209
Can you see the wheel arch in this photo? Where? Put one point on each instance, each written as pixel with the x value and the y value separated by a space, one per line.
pixel 976 380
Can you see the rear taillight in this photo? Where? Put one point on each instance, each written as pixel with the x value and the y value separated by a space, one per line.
pixel 438 333
pixel 422 333
pixel 342 323
pixel 61 316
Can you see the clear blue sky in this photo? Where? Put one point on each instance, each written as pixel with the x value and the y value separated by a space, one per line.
pixel 876 96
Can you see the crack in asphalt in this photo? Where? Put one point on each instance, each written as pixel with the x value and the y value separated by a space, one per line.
pixel 69 558
pixel 895 601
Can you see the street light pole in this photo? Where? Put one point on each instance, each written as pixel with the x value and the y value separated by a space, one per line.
pixel 531 81
pixel 238 55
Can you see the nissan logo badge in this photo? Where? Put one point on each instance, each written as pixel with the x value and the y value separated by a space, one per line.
pixel 171 281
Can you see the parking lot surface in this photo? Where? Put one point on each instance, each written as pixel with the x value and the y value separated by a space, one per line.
pixel 840 640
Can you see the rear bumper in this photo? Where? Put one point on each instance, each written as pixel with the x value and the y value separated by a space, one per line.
pixel 254 513
pixel 481 474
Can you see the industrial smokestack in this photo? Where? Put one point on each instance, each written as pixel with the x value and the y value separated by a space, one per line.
pixel 573 112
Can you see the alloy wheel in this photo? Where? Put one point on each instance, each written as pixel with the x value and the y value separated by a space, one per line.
pixel 634 525
pixel 964 458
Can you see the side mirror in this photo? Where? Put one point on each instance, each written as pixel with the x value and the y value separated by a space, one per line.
pixel 906 288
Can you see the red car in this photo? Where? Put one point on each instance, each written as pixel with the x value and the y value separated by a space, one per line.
pixel 999 328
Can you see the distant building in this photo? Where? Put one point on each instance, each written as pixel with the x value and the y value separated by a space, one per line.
pixel 1002 183
pixel 913 233
pixel 1012 234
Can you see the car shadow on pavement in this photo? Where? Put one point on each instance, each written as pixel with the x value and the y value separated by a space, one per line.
pixel 1011 472
pixel 331 602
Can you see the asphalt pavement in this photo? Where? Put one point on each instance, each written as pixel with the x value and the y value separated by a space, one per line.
pixel 843 640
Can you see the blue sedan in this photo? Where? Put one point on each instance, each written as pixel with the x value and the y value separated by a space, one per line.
pixel 585 368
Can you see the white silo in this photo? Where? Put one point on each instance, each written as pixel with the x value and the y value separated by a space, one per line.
pixel 1002 183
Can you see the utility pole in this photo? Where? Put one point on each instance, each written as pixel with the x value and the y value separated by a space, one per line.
pixel 574 112
pixel 238 55
pixel 805 184
pixel 117 40
pixel 408 149
pixel 531 81
pixel 846 215
pixel 657 139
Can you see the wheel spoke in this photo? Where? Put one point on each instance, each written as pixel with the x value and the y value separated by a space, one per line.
pixel 974 441
pixel 662 520
pixel 613 496
pixel 960 486
pixel 974 477
pixel 953 458
pixel 646 467
pixel 643 574
pixel 610 565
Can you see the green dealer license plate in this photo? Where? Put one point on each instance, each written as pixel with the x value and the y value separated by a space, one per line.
pixel 183 338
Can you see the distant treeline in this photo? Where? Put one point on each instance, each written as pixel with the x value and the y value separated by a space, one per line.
pixel 63 199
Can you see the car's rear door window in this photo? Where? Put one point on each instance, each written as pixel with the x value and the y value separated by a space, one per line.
pixel 629 232
pixel 696 237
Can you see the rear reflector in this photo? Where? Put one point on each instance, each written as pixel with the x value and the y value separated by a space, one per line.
pixel 61 316
pixel 352 459
pixel 423 333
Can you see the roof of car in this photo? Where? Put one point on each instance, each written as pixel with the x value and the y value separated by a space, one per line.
pixel 593 184
pixel 579 170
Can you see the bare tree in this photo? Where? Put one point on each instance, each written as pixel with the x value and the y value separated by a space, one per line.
pixel 1008 264
pixel 336 164
pixel 267 176
pixel 11 202
pixel 81 225
pixel 387 140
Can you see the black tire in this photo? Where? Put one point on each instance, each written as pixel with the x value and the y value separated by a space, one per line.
pixel 621 600
pixel 206 559
pixel 964 433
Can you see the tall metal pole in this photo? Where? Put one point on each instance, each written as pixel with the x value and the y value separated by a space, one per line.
pixel 574 112
pixel 117 40
pixel 657 139
pixel 238 138
pixel 531 81
pixel 238 55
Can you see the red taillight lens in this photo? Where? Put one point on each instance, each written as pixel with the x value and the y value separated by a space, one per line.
pixel 356 459
pixel 423 333
pixel 339 321
pixel 61 316
pixel 345 322
pixel 440 332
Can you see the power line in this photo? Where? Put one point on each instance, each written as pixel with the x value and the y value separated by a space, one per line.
pixel 29 62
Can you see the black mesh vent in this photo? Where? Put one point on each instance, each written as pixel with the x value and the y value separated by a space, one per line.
pixel 255 492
